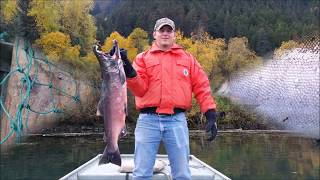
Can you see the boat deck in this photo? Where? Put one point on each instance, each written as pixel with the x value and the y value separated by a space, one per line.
pixel 92 171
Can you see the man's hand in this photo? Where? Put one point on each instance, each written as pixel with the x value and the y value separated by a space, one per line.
pixel 123 54
pixel 211 124
pixel 128 69
pixel 111 52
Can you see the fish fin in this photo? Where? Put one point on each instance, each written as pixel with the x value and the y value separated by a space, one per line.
pixel 111 157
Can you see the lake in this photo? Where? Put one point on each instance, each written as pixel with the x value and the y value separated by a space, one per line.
pixel 237 155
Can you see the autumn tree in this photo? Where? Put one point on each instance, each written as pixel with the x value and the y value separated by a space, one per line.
pixel 8 10
pixel 108 42
pixel 58 46
pixel 138 39
pixel 77 21
pixel 183 41
pixel 39 17
pixel 46 14
pixel 285 46
pixel 122 43
pixel 207 50
pixel 238 57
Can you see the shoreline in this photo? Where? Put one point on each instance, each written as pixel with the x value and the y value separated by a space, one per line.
pixel 192 133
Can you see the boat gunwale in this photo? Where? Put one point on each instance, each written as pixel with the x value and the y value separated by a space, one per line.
pixel 88 164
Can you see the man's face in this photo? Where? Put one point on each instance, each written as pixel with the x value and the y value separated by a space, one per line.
pixel 164 37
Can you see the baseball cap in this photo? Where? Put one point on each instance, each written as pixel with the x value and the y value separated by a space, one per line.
pixel 164 21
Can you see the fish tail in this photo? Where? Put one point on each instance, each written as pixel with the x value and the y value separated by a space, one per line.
pixel 111 157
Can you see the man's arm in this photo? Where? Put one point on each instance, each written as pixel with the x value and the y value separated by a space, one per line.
pixel 128 69
pixel 202 91
pixel 201 87
pixel 137 81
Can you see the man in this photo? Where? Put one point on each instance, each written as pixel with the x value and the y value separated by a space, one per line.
pixel 162 80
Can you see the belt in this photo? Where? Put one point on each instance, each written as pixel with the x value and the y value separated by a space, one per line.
pixel 153 110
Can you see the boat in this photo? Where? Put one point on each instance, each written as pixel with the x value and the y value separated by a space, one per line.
pixel 92 171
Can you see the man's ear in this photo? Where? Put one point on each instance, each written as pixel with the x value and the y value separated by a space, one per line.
pixel 154 34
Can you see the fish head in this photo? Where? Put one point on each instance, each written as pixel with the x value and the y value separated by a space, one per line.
pixel 110 65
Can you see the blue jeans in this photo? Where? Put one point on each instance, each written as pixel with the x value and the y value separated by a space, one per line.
pixel 173 131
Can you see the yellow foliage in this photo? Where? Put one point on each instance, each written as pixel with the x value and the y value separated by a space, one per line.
pixel 57 46
pixel 138 39
pixel 46 14
pixel 238 57
pixel 90 58
pixel 285 46
pixel 132 53
pixel 88 33
pixel 186 43
pixel 107 45
pixel 122 42
pixel 72 53
pixel 8 10
pixel 78 22
pixel 205 49
pixel 71 17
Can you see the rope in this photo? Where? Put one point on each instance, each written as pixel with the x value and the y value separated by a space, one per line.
pixel 27 83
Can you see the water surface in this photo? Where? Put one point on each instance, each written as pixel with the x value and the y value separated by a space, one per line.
pixel 237 155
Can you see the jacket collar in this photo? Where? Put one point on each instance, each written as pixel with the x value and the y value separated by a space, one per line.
pixel 155 48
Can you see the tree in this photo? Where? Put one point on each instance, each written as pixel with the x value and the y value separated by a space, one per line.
pixel 122 43
pixel 238 57
pixel 46 14
pixel 263 44
pixel 222 19
pixel 79 23
pixel 206 50
pixel 138 39
pixel 36 18
pixel 183 41
pixel 57 46
pixel 285 46
pixel 9 10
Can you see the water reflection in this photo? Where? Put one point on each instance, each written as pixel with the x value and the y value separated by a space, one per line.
pixel 265 156
pixel 239 156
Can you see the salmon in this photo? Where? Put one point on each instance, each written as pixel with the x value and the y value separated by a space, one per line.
pixel 112 106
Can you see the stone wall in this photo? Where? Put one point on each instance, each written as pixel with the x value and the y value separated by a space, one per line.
pixel 42 98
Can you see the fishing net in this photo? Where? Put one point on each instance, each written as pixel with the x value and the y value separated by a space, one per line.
pixel 285 90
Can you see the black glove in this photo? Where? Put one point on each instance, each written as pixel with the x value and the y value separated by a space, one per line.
pixel 111 52
pixel 128 69
pixel 211 124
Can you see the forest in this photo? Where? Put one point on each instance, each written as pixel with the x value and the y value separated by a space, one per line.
pixel 266 23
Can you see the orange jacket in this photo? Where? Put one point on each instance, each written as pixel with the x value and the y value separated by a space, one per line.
pixel 166 79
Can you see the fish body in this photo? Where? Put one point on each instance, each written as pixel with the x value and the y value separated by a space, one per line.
pixel 112 106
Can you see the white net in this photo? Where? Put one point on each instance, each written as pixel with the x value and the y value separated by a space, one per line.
pixel 285 89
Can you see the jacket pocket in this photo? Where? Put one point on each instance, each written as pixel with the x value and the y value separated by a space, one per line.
pixel 183 87
pixel 153 68
pixel 183 70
